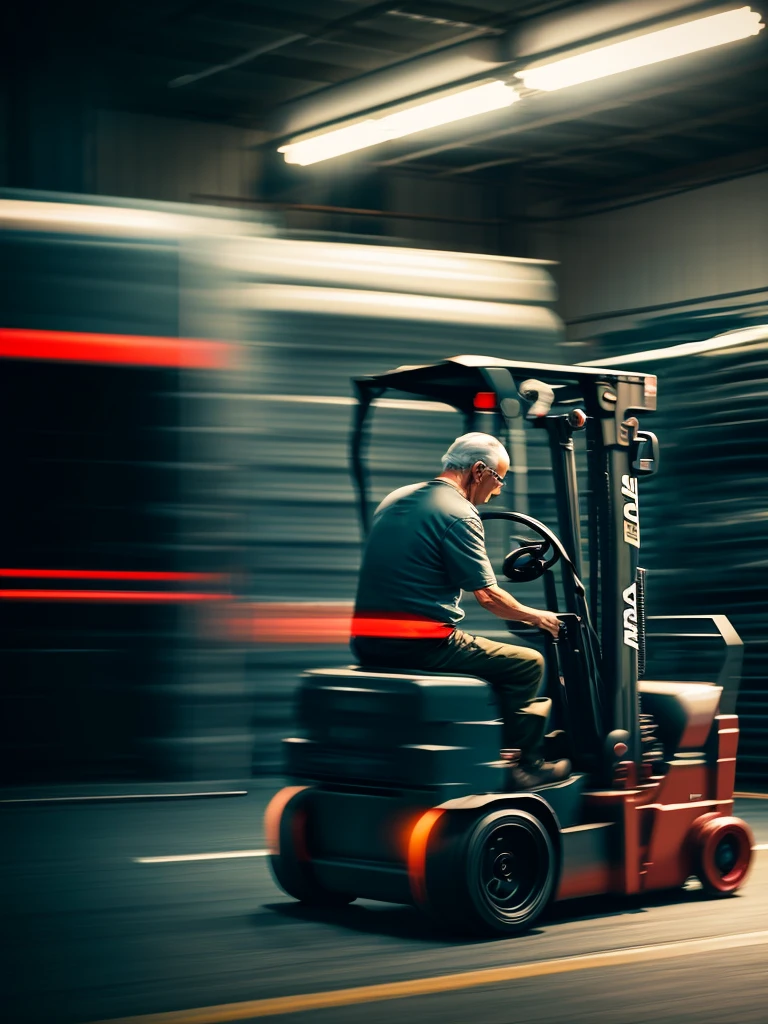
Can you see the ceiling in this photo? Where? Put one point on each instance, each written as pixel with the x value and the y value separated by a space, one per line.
pixel 238 61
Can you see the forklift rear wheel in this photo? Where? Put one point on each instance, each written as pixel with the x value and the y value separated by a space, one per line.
pixel 504 874
pixel 292 866
pixel 723 850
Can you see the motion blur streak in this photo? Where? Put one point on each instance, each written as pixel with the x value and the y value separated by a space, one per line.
pixel 401 626
pixel 106 574
pixel 291 623
pixel 431 309
pixel 77 347
pixel 138 596
pixel 130 222
pixel 321 623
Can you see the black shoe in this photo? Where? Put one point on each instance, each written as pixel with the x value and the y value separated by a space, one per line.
pixel 530 774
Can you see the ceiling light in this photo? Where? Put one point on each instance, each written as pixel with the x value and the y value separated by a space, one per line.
pixel 479 100
pixel 650 48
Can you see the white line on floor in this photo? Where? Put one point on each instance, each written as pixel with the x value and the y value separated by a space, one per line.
pixel 234 854
pixel 115 797
pixel 227 855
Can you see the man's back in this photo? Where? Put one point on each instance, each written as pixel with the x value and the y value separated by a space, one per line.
pixel 426 545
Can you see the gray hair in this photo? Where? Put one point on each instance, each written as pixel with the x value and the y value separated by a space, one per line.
pixel 474 447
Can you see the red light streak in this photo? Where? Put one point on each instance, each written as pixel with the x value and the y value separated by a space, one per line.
pixel 118 349
pixel 400 626
pixel 107 574
pixel 123 596
pixel 318 623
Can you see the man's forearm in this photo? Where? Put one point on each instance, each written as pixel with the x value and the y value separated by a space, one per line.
pixel 499 602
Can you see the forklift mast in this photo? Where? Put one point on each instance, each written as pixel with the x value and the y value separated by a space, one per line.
pixel 560 400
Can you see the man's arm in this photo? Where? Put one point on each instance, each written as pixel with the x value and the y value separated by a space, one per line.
pixel 497 601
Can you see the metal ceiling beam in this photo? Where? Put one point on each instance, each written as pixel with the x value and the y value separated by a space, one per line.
pixel 445 15
pixel 205 56
pixel 244 58
pixel 254 88
pixel 585 152
pixel 613 102
pixel 679 128
pixel 358 50
pixel 332 73
pixel 664 183
pixel 311 27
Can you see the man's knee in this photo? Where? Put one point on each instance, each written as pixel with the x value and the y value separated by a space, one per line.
pixel 527 673
pixel 532 664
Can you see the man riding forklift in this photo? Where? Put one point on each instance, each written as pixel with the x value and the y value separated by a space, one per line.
pixel 426 546
pixel 396 791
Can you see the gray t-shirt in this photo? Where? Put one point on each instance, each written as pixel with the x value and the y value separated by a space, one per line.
pixel 426 545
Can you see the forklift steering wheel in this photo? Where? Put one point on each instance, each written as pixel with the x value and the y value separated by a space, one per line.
pixel 531 561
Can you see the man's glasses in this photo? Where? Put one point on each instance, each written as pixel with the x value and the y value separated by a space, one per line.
pixel 499 480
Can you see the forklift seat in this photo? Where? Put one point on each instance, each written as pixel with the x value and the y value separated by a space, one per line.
pixel 684 712
pixel 388 727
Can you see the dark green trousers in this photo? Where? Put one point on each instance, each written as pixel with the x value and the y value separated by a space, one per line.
pixel 514 674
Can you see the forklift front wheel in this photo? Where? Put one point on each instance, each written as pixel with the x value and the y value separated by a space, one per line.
pixel 722 852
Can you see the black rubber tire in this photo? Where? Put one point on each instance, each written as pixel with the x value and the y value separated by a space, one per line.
pixel 492 874
pixel 722 855
pixel 293 871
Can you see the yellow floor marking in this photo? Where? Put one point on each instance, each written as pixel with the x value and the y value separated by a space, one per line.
pixel 445 983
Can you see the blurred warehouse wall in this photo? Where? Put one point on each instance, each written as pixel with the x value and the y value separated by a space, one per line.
pixel 71 146
pixel 693 260
pixel 181 537
pixel 145 157
pixel 120 513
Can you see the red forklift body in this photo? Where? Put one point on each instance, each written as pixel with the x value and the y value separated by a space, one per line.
pixel 398 793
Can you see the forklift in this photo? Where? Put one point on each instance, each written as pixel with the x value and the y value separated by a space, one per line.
pixel 397 791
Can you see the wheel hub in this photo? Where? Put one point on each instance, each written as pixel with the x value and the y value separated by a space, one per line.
pixel 504 867
pixel 506 879
pixel 726 855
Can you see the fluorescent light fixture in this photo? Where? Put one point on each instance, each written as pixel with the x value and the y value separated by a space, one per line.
pixel 469 102
pixel 651 48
